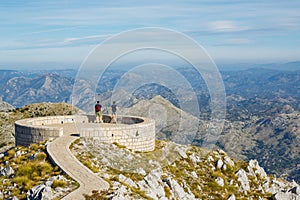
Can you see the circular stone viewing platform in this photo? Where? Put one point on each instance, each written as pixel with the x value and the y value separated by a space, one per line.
pixel 135 133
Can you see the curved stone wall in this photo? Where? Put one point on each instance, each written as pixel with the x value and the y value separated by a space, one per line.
pixel 34 130
pixel 135 133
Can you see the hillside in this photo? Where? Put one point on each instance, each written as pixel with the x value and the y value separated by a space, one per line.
pixel 273 141
pixel 26 173
pixel 171 123
pixel 175 171
pixel 171 171
pixel 8 118
pixel 4 106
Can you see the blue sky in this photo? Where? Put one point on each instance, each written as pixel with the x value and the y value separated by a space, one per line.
pixel 61 33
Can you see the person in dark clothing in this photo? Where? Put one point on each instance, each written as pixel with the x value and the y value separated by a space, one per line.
pixel 98 112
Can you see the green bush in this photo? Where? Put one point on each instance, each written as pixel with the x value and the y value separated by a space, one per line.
pixel 26 169
pixel 41 156
pixel 59 183
pixel 34 146
pixel 11 153
pixel 21 180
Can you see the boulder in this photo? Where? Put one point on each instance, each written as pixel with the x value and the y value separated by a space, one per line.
pixel 126 180
pixel 140 171
pixel 194 158
pixel 151 184
pixel 285 196
pixel 219 164
pixel 7 171
pixel 228 161
pixel 120 193
pixel 295 190
pixel 210 158
pixel 219 181
pixel 243 179
pixel 179 192
pixel 253 164
pixel 194 174
pixel 40 192
pixel 181 152
pixel 232 197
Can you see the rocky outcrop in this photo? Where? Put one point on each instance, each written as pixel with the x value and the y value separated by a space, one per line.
pixel 7 171
pixel 4 106
pixel 40 192
pixel 192 173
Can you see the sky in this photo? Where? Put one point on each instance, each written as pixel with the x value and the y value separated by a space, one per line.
pixel 62 33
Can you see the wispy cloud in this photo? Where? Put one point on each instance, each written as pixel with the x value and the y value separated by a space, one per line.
pixel 235 42
pixel 226 26
pixel 90 38
pixel 48 25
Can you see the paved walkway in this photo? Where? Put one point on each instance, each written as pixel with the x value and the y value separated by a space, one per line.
pixel 60 153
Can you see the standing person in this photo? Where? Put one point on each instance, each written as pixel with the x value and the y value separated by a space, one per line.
pixel 114 113
pixel 98 112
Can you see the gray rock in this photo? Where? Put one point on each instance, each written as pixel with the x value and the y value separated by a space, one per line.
pixel 179 192
pixel 126 180
pixel 194 174
pixel 120 193
pixel 181 152
pixel 219 164
pixel 152 184
pixel 7 171
pixel 220 151
pixel 228 161
pixel 194 158
pixel 163 198
pixel 140 171
pixel 219 181
pixel 40 192
pixel 257 169
pixel 243 179
pixel 295 190
pixel 285 196
pixel 232 197
pixel 210 158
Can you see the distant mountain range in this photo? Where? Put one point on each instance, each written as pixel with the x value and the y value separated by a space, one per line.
pixel 262 120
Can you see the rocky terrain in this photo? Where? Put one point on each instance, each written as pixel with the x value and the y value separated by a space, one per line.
pixel 171 171
pixel 26 173
pixel 4 106
pixel 274 141
pixel 262 120
pixel 175 171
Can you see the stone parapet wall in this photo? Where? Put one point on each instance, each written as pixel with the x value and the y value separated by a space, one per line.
pixel 34 130
pixel 135 133
pixel 138 136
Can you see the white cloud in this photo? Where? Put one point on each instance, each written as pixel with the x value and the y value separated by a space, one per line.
pixel 88 38
pixel 226 26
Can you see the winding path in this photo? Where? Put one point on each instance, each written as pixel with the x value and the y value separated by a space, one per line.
pixel 60 154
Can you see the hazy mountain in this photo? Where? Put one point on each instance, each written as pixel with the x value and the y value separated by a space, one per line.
pixel 171 122
pixel 4 106
pixel 257 100
pixel 21 90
